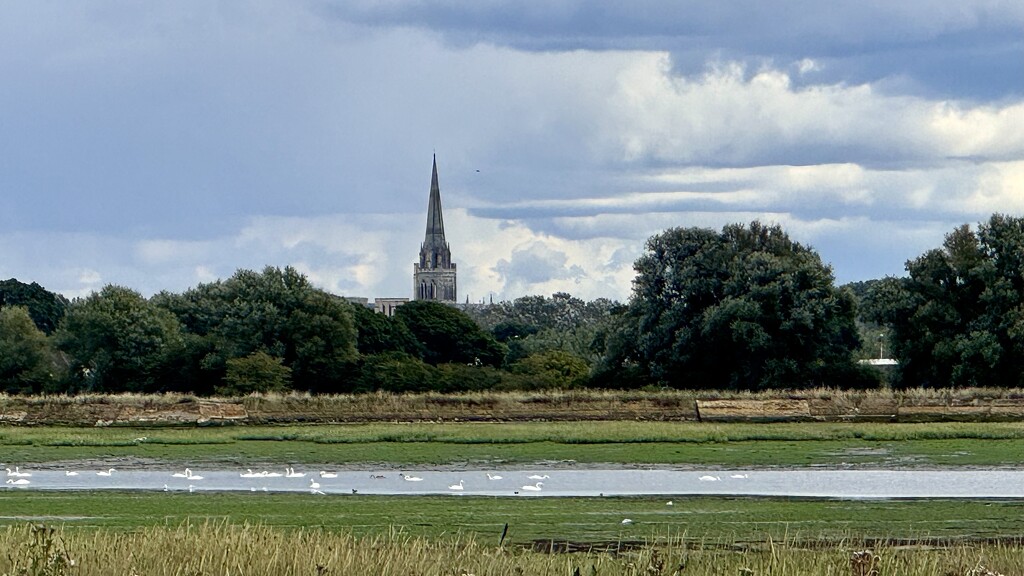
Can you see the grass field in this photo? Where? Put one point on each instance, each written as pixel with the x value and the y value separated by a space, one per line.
pixel 497 444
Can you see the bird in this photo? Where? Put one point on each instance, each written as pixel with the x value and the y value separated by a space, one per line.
pixel 458 486
pixel 249 474
pixel 191 488
pixel 493 476
pixel 378 476
pixel 17 472
pixel 324 474
pixel 627 521
pixel 707 478
pixel 107 472
pixel 313 483
pixel 408 478
pixel 291 473
pixel 739 476
pixel 140 439
pixel 70 473
pixel 266 474
pixel 192 476
pixel 166 489
pixel 19 481
pixel 185 474
pixel 669 503
pixel 538 477
pixel 315 491
pixel 533 487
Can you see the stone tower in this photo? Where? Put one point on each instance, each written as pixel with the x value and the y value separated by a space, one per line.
pixel 433 277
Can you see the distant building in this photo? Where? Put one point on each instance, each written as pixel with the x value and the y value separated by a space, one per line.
pixel 433 277
pixel 387 306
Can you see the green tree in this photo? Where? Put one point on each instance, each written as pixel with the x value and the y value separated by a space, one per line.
pixel 448 335
pixel 45 307
pixel 957 319
pixel 118 341
pixel 746 308
pixel 276 312
pixel 27 364
pixel 257 372
pixel 377 334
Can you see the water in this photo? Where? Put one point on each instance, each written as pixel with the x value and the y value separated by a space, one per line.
pixel 853 484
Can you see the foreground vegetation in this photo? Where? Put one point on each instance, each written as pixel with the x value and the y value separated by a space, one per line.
pixel 209 534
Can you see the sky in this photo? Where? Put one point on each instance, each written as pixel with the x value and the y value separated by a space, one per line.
pixel 160 145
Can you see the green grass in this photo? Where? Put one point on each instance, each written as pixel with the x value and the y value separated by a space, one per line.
pixel 669 443
pixel 529 519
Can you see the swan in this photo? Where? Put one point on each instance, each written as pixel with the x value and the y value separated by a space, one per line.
pixel 291 473
pixel 19 481
pixel 187 473
pixel 313 484
pixel 315 491
pixel 18 472
pixel 627 521
pixel 106 472
pixel 70 473
pixel 166 489
pixel 408 478
pixel 190 488
pixel 669 503
pixel 249 474
pixel 740 476
pixel 493 476
pixel 324 474
pixel 266 474
pixel 538 477
pixel 458 486
pixel 533 487
pixel 192 476
pixel 707 478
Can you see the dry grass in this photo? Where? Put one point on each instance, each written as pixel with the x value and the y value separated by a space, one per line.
pixel 257 550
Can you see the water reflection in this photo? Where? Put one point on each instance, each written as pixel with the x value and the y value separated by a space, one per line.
pixel 586 482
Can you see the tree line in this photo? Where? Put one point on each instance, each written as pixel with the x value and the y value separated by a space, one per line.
pixel 744 308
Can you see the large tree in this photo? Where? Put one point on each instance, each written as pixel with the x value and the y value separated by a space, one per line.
pixel 277 312
pixel 746 308
pixel 118 341
pixel 46 308
pixel 27 364
pixel 958 317
pixel 448 335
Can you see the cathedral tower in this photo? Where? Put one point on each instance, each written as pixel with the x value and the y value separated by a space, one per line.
pixel 433 277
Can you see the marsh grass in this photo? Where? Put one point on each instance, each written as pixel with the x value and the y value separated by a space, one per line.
pixel 252 549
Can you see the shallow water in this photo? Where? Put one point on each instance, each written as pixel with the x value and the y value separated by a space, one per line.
pixel 589 482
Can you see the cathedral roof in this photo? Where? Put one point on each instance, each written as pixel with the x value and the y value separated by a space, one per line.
pixel 435 221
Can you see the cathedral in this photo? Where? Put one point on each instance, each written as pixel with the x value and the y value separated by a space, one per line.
pixel 433 277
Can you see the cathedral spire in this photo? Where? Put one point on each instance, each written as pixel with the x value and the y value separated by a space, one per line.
pixel 434 274
pixel 435 220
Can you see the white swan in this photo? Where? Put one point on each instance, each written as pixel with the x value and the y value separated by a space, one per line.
pixel 291 473
pixel 249 474
pixel 70 473
pixel 324 474
pixel 185 474
pixel 458 486
pixel 266 474
pixel 17 472
pixel 106 472
pixel 313 484
pixel 493 476
pixel 408 478
pixel 192 476
pixel 669 503
pixel 627 521
pixel 707 478
pixel 739 476
pixel 19 481
pixel 533 487
pixel 538 477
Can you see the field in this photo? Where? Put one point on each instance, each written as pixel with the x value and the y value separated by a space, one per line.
pixel 204 533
